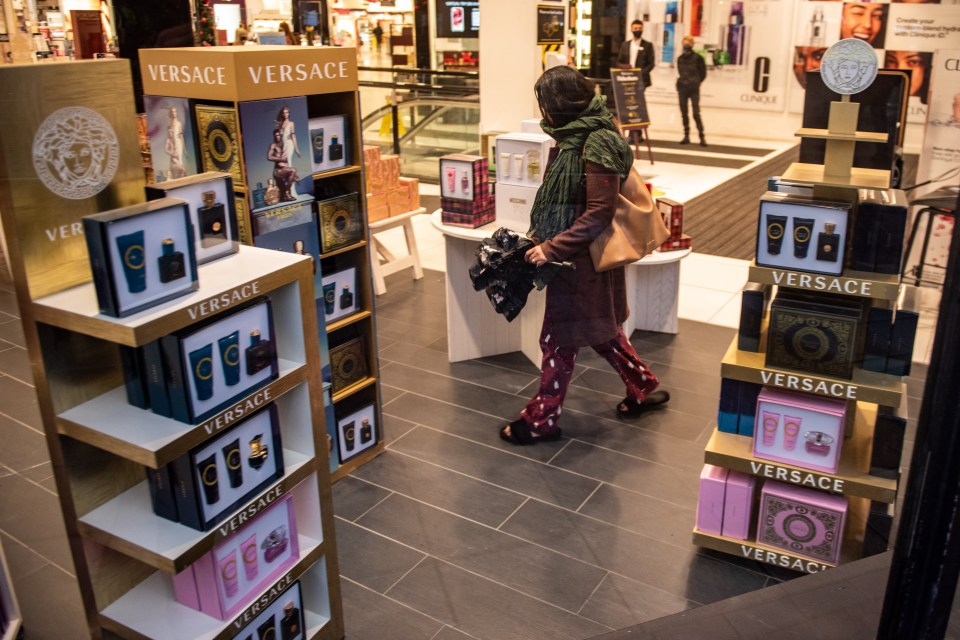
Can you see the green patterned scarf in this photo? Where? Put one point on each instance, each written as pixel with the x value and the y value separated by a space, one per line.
pixel 592 136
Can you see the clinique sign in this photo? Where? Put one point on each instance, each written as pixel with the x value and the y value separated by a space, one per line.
pixel 258 74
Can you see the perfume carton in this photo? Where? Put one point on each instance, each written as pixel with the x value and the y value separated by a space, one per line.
pixel 738 505
pixel 522 158
pixel 340 222
pixel 348 362
pixel 799 429
pixel 801 521
pixel 282 619
pixel 218 129
pixel 340 297
pixel 713 488
pixel 356 432
pixel 464 177
pixel 329 143
pixel 802 233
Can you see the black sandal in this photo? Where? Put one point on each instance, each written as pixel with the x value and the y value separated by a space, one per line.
pixel 520 433
pixel 634 410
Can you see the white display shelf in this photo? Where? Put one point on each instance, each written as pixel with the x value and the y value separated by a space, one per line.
pixel 150 610
pixel 128 524
pixel 814 174
pixel 224 284
pixel 110 423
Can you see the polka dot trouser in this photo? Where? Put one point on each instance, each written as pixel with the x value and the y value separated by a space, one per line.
pixel 543 412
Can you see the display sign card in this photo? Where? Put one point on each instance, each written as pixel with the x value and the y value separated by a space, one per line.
pixel 629 97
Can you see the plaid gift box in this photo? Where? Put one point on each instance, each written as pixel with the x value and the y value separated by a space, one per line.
pixel 452 172
pixel 676 244
pixel 672 212
pixel 469 220
pixel 473 207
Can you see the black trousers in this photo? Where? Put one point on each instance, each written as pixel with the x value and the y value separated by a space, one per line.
pixel 690 95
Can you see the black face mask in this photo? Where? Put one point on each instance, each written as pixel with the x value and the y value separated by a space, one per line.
pixel 637 34
pixel 688 48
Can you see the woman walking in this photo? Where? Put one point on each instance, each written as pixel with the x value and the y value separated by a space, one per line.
pixel 575 203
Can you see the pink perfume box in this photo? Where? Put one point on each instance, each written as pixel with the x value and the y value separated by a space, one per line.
pixel 799 429
pixel 710 503
pixel 738 505
pixel 228 577
pixel 802 521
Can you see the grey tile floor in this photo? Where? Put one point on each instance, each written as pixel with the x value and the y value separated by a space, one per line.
pixel 452 534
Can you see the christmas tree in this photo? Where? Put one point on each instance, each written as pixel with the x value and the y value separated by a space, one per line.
pixel 206 34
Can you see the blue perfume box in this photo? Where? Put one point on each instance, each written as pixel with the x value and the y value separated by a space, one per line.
pixel 141 256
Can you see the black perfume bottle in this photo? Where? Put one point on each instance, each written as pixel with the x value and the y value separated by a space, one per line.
pixel 316 141
pixel 335 152
pixel 366 432
pixel 259 353
pixel 259 452
pixel 349 436
pixel 828 243
pixel 170 263
pixel 268 630
pixel 346 298
pixel 213 221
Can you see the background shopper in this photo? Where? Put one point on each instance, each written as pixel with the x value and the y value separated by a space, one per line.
pixel 693 71
pixel 637 53
pixel 575 203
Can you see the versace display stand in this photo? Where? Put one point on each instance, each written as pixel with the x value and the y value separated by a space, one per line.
pixel 836 178
pixel 392 264
pixel 327 76
pixel 100 446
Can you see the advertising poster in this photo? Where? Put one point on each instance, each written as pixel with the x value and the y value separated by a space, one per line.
pixel 458 18
pixel 903 34
pixel 550 25
pixel 170 129
pixel 742 43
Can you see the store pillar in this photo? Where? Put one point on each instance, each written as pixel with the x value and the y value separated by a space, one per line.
pixel 20 46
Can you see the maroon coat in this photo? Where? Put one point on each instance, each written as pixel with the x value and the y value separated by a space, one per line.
pixel 586 307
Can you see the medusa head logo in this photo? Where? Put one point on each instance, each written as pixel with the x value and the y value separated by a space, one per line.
pixel 75 153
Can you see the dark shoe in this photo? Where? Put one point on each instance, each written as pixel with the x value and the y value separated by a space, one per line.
pixel 686 140
pixel 630 409
pixel 703 141
pixel 520 433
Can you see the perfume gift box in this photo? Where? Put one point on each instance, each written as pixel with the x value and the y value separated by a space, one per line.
pixel 800 429
pixel 356 432
pixel 218 129
pixel 291 228
pixel 879 226
pixel 378 207
pixel 522 158
pixel 904 333
pixel 513 206
pixel 348 364
pixel 677 244
pixel 276 151
pixel 802 234
pixel 216 478
pixel 877 341
pixel 713 487
pixel 340 222
pixel 887 443
pixel 226 578
pixel 738 505
pixel 329 144
pixel 213 215
pixel 753 303
pixel 210 365
pixel 738 405
pixel 141 256
pixel 464 177
pixel 810 335
pixel 135 376
pixel 672 212
pixel 476 207
pixel 173 146
pixel 339 294
pixel 801 521
pixel 468 219
pixel 283 619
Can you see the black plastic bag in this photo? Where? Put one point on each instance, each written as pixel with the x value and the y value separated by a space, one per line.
pixel 502 271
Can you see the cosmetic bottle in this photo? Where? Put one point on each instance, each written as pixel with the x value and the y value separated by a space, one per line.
pixel 201 364
pixel 451 175
pixel 533 165
pixel 259 452
pixel 272 194
pixel 776 225
pixel 274 544
pixel 170 264
pixel 349 433
pixel 818 29
pixel 267 630
pixel 208 476
pixel 231 455
pixel 791 429
pixel 518 166
pixel 316 141
pixel 735 34
pixel 131 250
pixel 818 443
pixel 290 623
pixel 465 182
pixel 504 167
pixel 212 217
pixel 251 562
pixel 228 574
pixel 771 421
pixel 828 243
pixel 346 298
pixel 329 297
pixel 259 196
pixel 802 233
pixel 366 432
pixel 669 33
pixel 336 149
pixel 259 353
pixel 230 357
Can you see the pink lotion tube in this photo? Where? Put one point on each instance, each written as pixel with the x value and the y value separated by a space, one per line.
pixel 228 574
pixel 791 429
pixel 770 423
pixel 251 563
pixel 451 180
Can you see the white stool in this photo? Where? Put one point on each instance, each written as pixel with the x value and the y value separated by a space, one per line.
pixel 392 264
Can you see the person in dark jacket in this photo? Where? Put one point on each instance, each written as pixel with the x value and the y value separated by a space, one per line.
pixel 575 203
pixel 637 53
pixel 693 71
